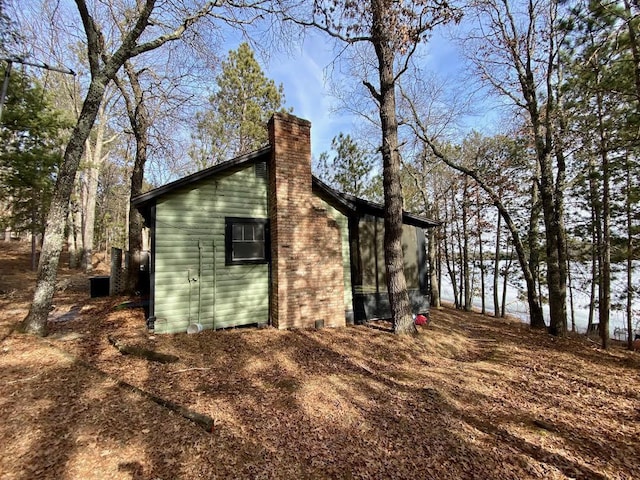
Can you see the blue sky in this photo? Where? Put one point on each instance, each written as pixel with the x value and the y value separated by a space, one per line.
pixel 303 73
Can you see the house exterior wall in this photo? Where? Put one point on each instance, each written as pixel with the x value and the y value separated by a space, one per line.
pixel 343 224
pixel 191 283
pixel 371 299
pixel 306 242
pixel 371 244
pixel 324 264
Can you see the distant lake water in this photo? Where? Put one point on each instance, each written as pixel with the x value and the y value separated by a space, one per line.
pixel 520 309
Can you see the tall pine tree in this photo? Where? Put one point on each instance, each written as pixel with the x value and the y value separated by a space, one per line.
pixel 348 167
pixel 236 121
pixel 603 105
pixel 31 137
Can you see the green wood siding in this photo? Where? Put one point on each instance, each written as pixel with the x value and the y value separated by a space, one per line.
pixel 192 284
pixel 374 275
pixel 343 223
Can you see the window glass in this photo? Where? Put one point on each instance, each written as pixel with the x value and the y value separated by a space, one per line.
pixel 248 251
pixel 259 231
pixel 248 232
pixel 246 240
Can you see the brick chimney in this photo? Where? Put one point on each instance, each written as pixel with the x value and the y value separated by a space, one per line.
pixel 307 283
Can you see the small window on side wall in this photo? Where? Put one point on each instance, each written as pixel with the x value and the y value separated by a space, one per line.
pixel 246 240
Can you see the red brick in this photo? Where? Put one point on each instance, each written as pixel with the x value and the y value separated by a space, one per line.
pixel 306 248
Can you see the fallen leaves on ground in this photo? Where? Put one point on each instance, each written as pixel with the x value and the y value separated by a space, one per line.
pixel 469 397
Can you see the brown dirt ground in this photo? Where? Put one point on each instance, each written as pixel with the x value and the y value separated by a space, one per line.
pixel 470 397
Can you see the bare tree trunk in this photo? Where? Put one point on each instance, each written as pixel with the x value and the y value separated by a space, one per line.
pixel 594 282
pixel 534 234
pixel 563 261
pixel 36 320
pixel 101 74
pixel 450 262
pixel 630 15
pixel 89 193
pixel 560 134
pixel 551 191
pixel 463 293
pixel 439 265
pixel 34 234
pixel 140 124
pixel 87 245
pixel 535 308
pixel 393 202
pixel 433 272
pixel 465 246
pixel 596 218
pixel 71 240
pixel 515 42
pixel 457 254
pixel 605 247
pixel 605 298
pixel 450 254
pixel 557 291
pixel 496 270
pixel 135 239
pixel 507 269
pixel 570 285
pixel 434 278
pixel 95 159
pixel 480 252
pixel 629 221
pixel 633 43
pixel 72 237
pixel 135 219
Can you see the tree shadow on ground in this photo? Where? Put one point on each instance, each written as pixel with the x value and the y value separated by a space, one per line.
pixel 332 403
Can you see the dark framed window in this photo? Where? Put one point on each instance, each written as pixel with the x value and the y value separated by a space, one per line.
pixel 246 240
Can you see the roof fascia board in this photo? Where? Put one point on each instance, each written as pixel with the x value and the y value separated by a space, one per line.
pixel 333 197
pixel 356 205
pixel 248 158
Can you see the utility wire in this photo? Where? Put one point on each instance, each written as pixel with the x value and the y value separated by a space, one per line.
pixel 11 60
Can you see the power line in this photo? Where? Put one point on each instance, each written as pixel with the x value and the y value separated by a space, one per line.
pixel 11 60
pixel 38 65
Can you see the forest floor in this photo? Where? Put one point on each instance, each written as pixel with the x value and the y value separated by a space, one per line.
pixel 469 397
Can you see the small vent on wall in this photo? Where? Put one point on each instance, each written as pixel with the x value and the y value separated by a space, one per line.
pixel 261 170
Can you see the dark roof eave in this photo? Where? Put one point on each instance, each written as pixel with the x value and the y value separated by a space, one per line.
pixel 332 196
pixel 142 201
pixel 347 204
pixel 418 221
pixel 351 204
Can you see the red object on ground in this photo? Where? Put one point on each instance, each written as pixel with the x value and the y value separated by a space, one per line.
pixel 422 320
